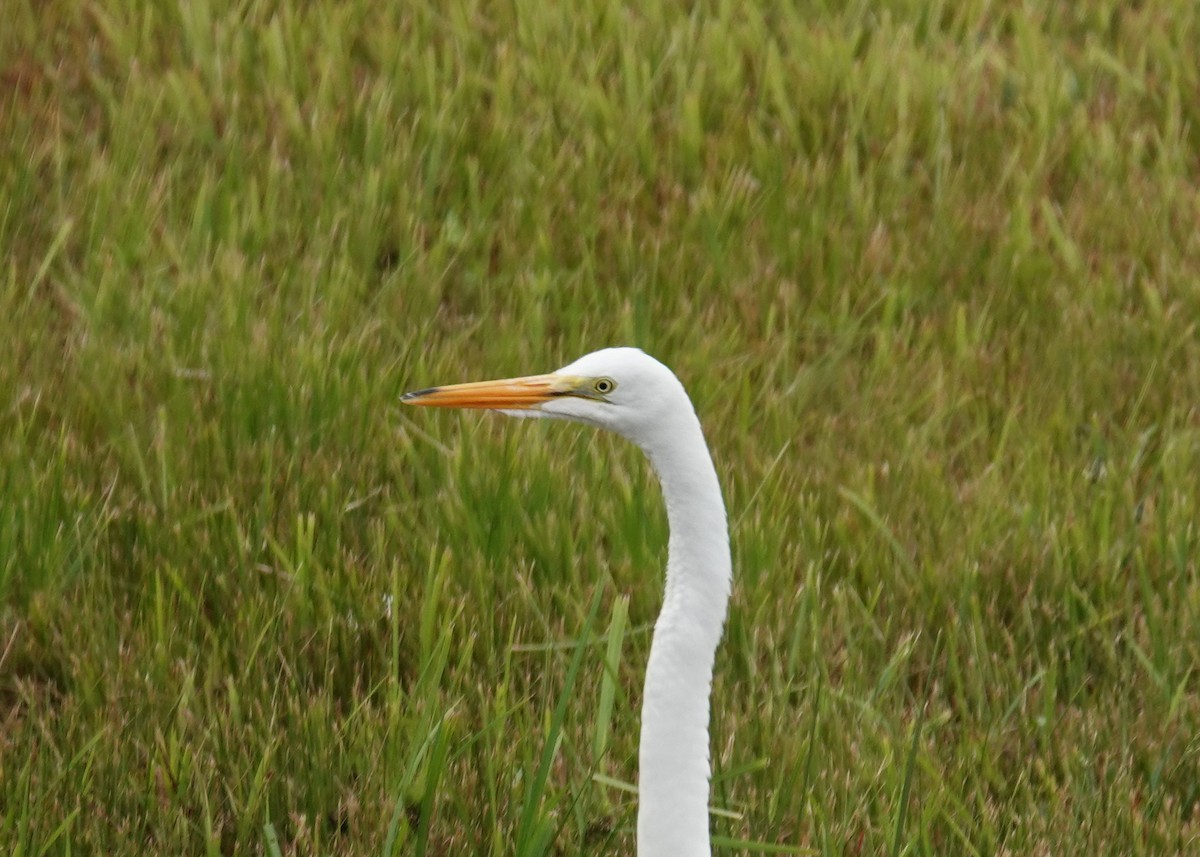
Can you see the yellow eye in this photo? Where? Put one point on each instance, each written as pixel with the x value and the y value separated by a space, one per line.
pixel 604 386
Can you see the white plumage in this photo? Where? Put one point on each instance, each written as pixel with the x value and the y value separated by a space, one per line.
pixel 628 392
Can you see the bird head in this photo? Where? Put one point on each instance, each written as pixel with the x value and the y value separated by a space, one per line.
pixel 623 390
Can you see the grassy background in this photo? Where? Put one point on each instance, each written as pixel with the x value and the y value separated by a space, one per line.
pixel 931 272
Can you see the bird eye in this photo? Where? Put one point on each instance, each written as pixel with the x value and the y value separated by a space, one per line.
pixel 604 386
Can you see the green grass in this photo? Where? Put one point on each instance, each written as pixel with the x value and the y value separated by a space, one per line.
pixel 931 272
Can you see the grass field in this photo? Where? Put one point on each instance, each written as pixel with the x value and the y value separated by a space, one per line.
pixel 931 272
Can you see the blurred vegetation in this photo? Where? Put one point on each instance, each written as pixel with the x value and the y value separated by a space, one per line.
pixel 931 272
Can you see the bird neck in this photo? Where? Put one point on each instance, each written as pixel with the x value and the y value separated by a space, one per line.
pixel 673 778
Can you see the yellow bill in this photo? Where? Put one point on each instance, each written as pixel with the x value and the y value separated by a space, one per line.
pixel 506 393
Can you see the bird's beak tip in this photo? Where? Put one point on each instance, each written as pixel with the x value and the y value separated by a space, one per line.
pixel 413 397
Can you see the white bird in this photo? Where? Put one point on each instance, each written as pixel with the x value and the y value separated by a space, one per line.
pixel 629 392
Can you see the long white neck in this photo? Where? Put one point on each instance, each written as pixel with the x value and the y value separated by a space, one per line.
pixel 673 779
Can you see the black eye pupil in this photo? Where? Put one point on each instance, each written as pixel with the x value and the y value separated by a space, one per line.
pixel 603 386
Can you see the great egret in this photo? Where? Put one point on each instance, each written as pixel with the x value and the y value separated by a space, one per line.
pixel 629 392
